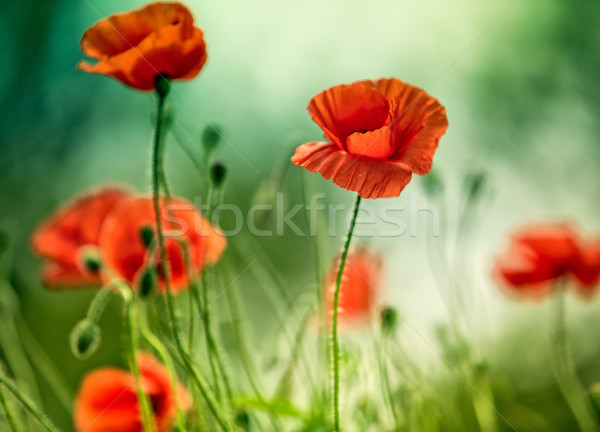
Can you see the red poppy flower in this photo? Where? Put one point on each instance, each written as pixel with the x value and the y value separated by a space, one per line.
pixel 539 257
pixel 135 46
pixel 126 252
pixel 379 133
pixel 63 238
pixel 107 398
pixel 358 295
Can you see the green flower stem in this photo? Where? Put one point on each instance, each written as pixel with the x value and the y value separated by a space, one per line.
pixel 382 360
pixel 191 319
pixel 281 309
pixel 27 403
pixel 241 341
pixel 208 280
pixel 45 366
pixel 566 374
pixel 163 353
pixel 157 173
pixel 204 310
pixel 334 353
pixel 8 411
pixel 148 422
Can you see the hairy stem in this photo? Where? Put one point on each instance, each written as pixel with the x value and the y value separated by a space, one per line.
pixel 157 173
pixel 334 354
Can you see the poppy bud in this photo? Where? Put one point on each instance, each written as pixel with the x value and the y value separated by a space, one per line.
pixel 211 136
pixel 218 172
pixel 242 419
pixel 92 261
pixel 85 338
pixel 474 185
pixel 146 235
pixel 162 84
pixel 389 320
pixel 147 283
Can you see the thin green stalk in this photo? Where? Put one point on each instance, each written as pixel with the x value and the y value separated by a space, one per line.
pixel 27 403
pixel 131 317
pixel 382 360
pixel 247 360
pixel 165 357
pixel 45 366
pixel 202 305
pixel 157 173
pixel 204 310
pixel 334 358
pixel 282 311
pixel 566 374
pixel 192 322
pixel 11 417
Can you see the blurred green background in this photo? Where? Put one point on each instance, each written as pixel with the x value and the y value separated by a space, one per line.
pixel 519 80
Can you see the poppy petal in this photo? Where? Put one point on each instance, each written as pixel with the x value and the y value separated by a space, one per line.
pixel 121 32
pixel 371 178
pixel 587 269
pixel 344 109
pixel 419 121
pixel 524 273
pixel 56 277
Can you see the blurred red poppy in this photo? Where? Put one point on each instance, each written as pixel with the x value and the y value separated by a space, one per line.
pixel 63 238
pixel 358 295
pixel 540 256
pixel 127 252
pixel 379 133
pixel 135 46
pixel 107 398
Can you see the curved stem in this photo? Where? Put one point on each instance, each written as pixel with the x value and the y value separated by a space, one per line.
pixel 334 354
pixel 165 357
pixel 27 403
pixel 131 318
pixel 566 374
pixel 157 173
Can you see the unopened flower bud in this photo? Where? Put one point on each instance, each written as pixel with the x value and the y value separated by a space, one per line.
pixel 85 338
pixel 242 419
pixel 389 320
pixel 211 136
pixel 147 283
pixel 162 83
pixel 474 185
pixel 147 235
pixel 92 260
pixel 218 172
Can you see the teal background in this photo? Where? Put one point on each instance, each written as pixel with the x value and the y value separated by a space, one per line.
pixel 519 80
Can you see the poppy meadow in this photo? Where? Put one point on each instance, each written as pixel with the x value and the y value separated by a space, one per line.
pixel 323 231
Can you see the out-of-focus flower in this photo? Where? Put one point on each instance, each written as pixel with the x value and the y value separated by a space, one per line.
pixel 360 280
pixel 379 133
pixel 67 235
pixel 125 248
pixel 134 47
pixel 107 398
pixel 538 257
